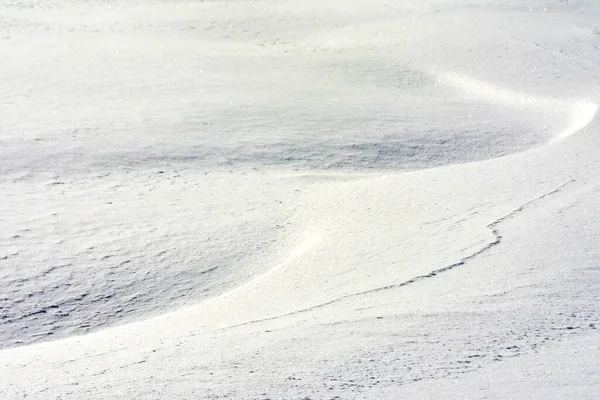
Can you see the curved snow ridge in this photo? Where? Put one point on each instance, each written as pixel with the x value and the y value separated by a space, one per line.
pixel 308 243
pixel 495 240
pixel 581 114
pixel 577 113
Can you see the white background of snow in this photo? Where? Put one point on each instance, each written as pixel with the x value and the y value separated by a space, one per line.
pixel 257 164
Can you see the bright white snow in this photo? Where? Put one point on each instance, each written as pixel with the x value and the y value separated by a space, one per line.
pixel 299 199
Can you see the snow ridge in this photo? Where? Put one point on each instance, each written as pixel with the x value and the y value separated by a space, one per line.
pixel 495 242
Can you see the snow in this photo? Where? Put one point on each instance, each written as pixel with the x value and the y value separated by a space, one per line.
pixel 299 199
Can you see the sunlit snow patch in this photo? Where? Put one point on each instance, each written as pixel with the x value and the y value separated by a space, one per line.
pixel 578 113
pixel 582 113
pixel 308 243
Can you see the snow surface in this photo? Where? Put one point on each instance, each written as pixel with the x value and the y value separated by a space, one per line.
pixel 299 199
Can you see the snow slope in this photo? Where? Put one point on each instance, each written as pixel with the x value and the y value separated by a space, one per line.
pixel 299 199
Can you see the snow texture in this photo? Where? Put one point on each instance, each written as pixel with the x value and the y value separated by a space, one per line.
pixel 299 199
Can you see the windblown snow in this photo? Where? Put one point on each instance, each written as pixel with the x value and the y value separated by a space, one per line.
pixel 299 199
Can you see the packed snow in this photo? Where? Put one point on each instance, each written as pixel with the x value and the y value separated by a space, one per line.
pixel 299 199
